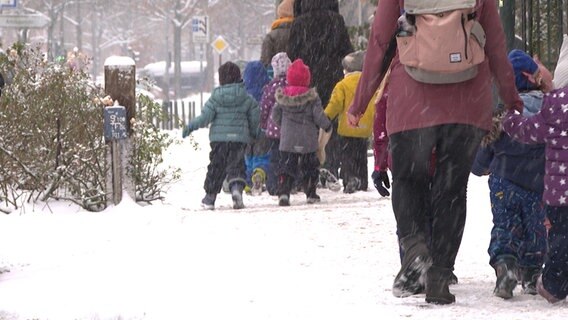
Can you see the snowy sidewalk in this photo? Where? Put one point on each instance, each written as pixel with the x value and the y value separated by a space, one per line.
pixel 333 260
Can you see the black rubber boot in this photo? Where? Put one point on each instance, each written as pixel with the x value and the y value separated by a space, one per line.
pixel 529 277
pixel 208 201
pixel 411 279
pixel 310 187
pixel 284 200
pixel 283 189
pixel 237 195
pixel 506 272
pixel 437 286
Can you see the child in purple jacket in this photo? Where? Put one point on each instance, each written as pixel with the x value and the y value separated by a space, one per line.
pixel 280 63
pixel 550 126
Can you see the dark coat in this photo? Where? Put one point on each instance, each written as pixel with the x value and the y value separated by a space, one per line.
pixel 275 41
pixel 499 154
pixel 299 118
pixel 320 38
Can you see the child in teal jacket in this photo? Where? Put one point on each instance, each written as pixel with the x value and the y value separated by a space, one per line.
pixel 234 118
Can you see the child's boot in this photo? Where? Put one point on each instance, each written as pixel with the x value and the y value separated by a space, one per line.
pixel 529 277
pixel 506 272
pixel 284 200
pixel 353 184
pixel 208 201
pixel 544 293
pixel 310 187
pixel 237 195
pixel 284 187
pixel 258 178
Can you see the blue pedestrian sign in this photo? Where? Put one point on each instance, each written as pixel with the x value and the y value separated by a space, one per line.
pixel 8 4
pixel 115 123
pixel 200 29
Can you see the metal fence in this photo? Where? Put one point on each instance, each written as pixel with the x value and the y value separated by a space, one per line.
pixel 176 114
pixel 535 26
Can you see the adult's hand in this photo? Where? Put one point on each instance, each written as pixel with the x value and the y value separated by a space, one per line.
pixel 353 120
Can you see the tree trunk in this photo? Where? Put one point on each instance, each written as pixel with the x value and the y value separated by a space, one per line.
pixel 177 61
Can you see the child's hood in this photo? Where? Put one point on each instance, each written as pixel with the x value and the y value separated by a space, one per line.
pixel 532 102
pixel 296 101
pixel 233 93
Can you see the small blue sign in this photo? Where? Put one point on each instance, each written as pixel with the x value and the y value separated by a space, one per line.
pixel 8 4
pixel 115 123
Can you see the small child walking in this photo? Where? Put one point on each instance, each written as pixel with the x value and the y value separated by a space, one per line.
pixel 234 118
pixel 550 126
pixel 257 155
pixel 516 171
pixel 299 114
pixel 280 63
pixel 353 140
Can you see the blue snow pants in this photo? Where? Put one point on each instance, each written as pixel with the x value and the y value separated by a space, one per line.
pixel 555 272
pixel 256 162
pixel 518 228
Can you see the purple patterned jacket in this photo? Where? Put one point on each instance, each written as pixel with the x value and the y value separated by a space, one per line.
pixel 268 100
pixel 550 126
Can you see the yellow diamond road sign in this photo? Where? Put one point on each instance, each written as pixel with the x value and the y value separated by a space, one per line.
pixel 220 44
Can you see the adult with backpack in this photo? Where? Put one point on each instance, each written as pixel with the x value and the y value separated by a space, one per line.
pixel 434 102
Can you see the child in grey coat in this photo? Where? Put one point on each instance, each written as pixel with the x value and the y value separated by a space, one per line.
pixel 299 114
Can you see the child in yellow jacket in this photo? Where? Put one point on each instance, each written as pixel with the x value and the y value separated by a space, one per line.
pixel 353 140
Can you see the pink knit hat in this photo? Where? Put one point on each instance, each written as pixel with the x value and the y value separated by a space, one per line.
pixel 298 74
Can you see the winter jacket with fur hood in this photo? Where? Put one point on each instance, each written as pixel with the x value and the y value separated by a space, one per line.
pixel 232 113
pixel 499 154
pixel 319 37
pixel 299 118
pixel 415 105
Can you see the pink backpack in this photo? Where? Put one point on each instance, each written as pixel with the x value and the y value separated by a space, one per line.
pixel 440 41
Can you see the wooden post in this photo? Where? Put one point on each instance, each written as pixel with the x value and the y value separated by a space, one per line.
pixel 120 85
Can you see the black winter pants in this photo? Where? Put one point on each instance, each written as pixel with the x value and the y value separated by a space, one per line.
pixel 290 164
pixel 354 160
pixel 455 147
pixel 271 176
pixel 226 159
pixel 333 151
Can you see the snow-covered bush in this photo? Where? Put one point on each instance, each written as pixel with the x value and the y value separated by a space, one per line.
pixel 145 167
pixel 52 143
pixel 51 137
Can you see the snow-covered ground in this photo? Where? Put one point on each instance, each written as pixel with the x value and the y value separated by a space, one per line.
pixel 173 260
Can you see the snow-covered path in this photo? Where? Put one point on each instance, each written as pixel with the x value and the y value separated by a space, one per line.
pixel 333 260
